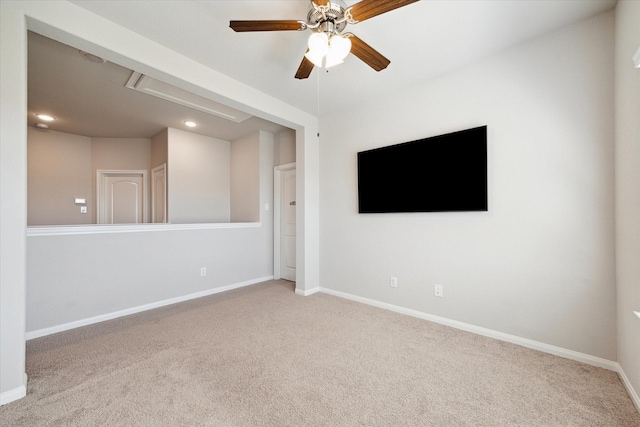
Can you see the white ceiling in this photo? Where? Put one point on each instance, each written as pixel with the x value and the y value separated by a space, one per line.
pixel 423 41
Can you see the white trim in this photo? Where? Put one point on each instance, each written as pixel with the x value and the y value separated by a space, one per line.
pixel 70 230
pixel 627 384
pixel 535 345
pixel 277 213
pixel 163 168
pixel 109 316
pixel 13 395
pixel 307 292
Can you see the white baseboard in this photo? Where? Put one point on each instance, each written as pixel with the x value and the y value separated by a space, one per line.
pixel 627 384
pixel 535 345
pixel 14 394
pixel 306 293
pixel 109 316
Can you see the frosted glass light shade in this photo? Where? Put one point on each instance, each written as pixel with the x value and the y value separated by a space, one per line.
pixel 319 43
pixel 332 59
pixel 335 49
pixel 315 58
pixel 339 48
pixel 318 47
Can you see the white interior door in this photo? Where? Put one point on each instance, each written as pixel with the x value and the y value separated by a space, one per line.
pixel 285 218
pixel 121 197
pixel 159 194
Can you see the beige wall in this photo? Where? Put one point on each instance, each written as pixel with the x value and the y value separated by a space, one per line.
pixel 59 171
pixel 199 178
pixel 117 154
pixel 245 179
pixel 159 147
pixel 121 153
pixel 63 167
pixel 202 174
pixel 627 141
pixel 285 147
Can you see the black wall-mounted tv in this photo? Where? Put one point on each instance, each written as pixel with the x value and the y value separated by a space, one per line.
pixel 445 173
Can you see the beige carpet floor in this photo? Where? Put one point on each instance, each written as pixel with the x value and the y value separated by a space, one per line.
pixel 263 356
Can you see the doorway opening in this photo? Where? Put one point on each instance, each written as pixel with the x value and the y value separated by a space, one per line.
pixel 122 197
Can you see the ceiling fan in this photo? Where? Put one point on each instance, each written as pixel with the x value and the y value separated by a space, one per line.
pixel 329 44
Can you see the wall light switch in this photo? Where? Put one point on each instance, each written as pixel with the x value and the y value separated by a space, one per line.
pixel 81 201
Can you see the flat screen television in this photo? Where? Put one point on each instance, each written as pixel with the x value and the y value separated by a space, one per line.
pixel 445 173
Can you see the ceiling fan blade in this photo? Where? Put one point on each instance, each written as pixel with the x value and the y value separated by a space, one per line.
pixel 278 25
pixel 305 68
pixel 367 54
pixel 369 8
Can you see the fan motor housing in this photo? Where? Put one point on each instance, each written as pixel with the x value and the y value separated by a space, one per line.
pixel 329 18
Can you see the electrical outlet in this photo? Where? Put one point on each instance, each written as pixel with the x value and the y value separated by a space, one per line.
pixel 437 290
pixel 203 271
pixel 393 282
pixel 83 209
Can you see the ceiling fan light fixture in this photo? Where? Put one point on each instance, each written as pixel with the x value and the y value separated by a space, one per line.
pixel 332 61
pixel 318 43
pixel 329 18
pixel 334 49
pixel 318 47
pixel 315 58
pixel 339 48
pixel 333 58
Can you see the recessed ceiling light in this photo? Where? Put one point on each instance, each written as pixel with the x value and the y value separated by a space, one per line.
pixel 91 57
pixel 45 117
pixel 190 123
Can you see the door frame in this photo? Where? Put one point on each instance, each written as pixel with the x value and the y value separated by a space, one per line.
pixel 162 167
pixel 101 174
pixel 278 173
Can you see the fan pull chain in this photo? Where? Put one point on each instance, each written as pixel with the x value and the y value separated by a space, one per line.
pixel 318 101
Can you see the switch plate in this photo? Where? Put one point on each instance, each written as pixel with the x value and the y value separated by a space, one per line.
pixel 393 282
pixel 438 291
pixel 83 209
